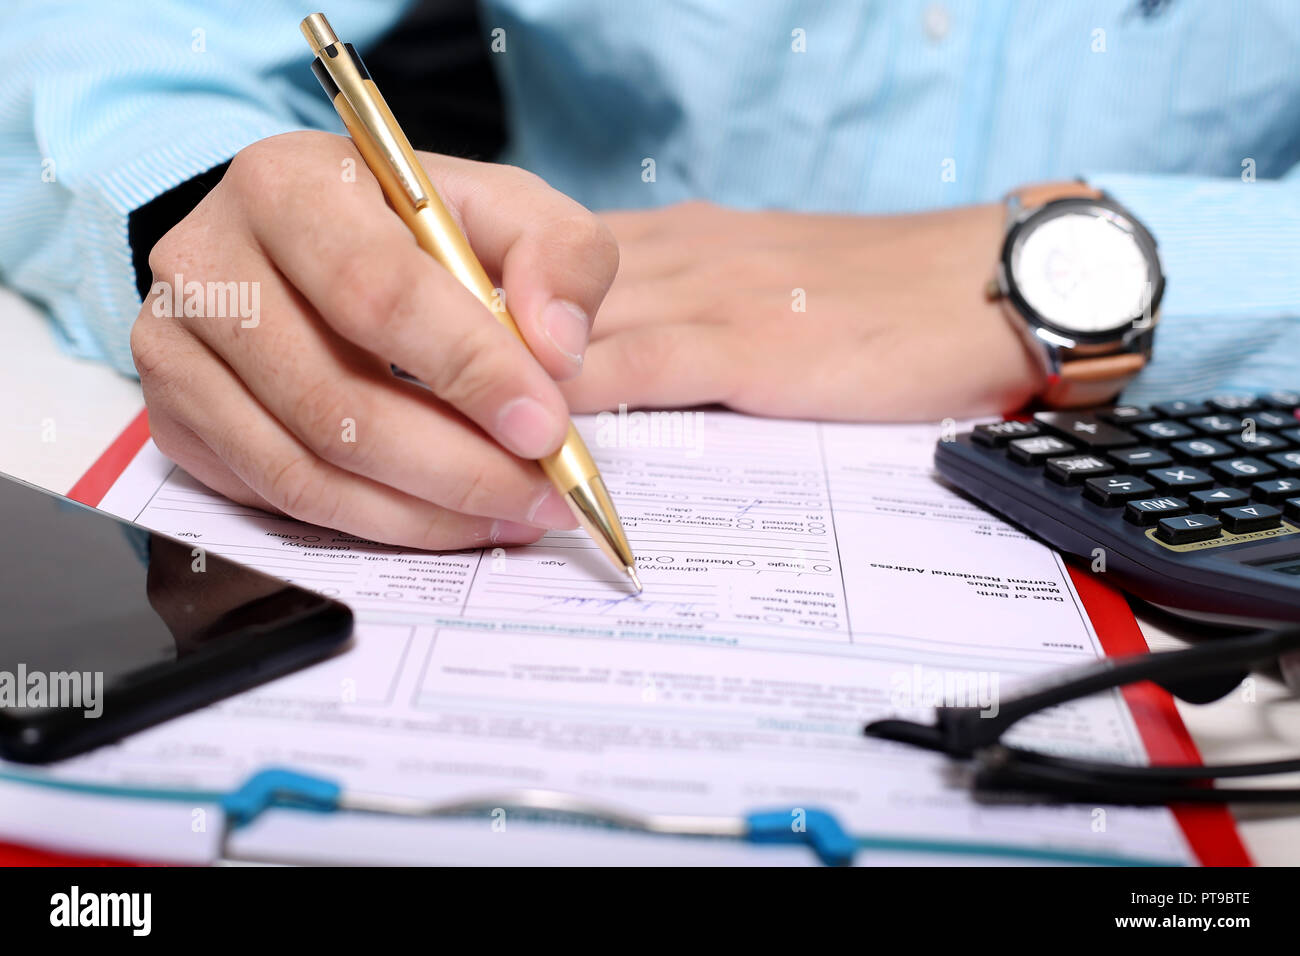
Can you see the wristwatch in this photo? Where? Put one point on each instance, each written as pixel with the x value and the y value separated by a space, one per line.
pixel 1080 278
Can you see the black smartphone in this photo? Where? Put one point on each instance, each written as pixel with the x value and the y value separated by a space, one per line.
pixel 107 627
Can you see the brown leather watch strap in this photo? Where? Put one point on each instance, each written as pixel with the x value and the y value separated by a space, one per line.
pixel 1092 381
pixel 1082 381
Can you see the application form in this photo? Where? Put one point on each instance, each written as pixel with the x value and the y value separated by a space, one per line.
pixel 800 580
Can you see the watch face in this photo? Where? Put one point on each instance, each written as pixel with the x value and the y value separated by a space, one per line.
pixel 1083 269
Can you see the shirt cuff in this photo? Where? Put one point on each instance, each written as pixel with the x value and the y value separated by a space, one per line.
pixel 1229 250
pixel 94 311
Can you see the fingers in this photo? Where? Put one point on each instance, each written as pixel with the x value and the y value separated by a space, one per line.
pixel 348 410
pixel 556 260
pixel 631 304
pixel 360 269
pixel 185 448
pixel 664 366
pixel 648 251
pixel 205 395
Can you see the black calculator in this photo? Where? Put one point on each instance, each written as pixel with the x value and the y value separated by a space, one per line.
pixel 1190 505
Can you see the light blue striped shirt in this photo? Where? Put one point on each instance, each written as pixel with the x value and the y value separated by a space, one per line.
pixel 1187 111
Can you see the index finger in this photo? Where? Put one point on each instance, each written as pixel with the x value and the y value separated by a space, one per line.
pixel 554 258
pixel 356 263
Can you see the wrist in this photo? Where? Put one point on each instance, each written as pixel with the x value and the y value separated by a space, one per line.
pixel 1015 372
pixel 1079 279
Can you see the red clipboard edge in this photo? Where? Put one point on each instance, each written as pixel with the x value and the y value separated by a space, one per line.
pixel 11 854
pixel 1211 831
pixel 94 484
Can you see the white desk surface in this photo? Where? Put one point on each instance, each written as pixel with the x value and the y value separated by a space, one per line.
pixel 88 405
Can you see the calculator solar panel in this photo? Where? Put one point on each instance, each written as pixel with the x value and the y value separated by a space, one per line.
pixel 1193 505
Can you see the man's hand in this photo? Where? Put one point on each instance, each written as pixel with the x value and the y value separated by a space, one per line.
pixel 796 315
pixel 296 411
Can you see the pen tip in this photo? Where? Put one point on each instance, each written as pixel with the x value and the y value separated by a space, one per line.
pixel 636 582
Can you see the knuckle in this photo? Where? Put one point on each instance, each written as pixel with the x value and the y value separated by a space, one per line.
pixel 521 178
pixel 589 239
pixel 165 438
pixel 471 491
pixel 468 373
pixel 318 415
pixel 648 357
pixel 371 304
pixel 259 167
pixel 278 170
pixel 166 251
pixel 247 170
pixel 155 362
pixel 604 250
pixel 437 536
pixel 301 489
pixel 511 186
pixel 145 348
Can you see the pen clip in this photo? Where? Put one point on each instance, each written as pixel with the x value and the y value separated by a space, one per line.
pixel 340 70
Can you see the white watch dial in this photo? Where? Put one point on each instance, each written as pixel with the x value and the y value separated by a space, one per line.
pixel 1082 271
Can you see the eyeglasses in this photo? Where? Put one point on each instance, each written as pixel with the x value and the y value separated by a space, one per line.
pixel 1198 675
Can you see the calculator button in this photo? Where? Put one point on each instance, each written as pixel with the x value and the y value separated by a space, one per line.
pixel 1233 403
pixel 1216 424
pixel 1213 500
pixel 1270 418
pixel 1187 529
pixel 1282 398
pixel 1200 449
pixel 1242 471
pixel 1147 511
pixel 1126 415
pixel 1276 491
pixel 1116 490
pixel 1288 461
pixel 1247 518
pixel 1036 450
pixel 1291 435
pixel 1180 409
pixel 1259 442
pixel 1141 457
pixel 1086 430
pixel 997 434
pixel 1291 509
pixel 1073 469
pixel 1162 431
pixel 1179 478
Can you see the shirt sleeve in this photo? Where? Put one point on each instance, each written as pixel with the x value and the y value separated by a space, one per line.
pixel 1230 248
pixel 104 107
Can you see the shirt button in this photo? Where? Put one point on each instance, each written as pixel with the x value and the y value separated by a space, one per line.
pixel 937 23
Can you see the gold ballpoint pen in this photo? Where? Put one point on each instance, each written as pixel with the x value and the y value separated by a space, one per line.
pixel 390 157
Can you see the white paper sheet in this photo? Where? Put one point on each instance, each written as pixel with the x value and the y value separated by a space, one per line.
pixel 800 579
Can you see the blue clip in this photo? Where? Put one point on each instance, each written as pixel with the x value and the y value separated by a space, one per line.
pixel 818 829
pixel 276 787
